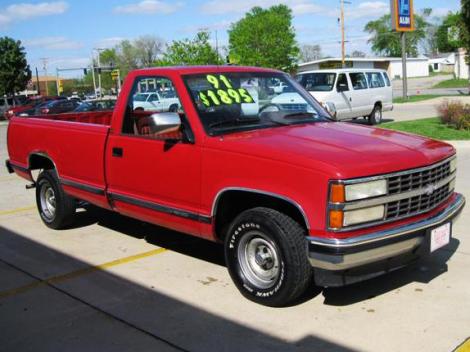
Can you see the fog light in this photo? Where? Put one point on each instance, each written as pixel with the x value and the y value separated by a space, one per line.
pixel 359 216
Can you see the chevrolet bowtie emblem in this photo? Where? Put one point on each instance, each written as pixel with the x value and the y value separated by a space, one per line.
pixel 429 189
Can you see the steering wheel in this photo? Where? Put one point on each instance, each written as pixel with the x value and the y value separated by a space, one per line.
pixel 264 107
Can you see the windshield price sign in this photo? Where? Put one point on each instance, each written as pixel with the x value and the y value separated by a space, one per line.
pixel 223 92
pixel 402 15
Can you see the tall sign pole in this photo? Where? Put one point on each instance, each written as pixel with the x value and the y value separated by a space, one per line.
pixel 402 22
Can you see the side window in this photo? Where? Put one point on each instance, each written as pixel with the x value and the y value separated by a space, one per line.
pixel 358 80
pixel 375 80
pixel 142 117
pixel 387 80
pixel 342 84
pixel 153 97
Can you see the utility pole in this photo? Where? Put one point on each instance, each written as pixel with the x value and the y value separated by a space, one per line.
pixel 37 82
pixel 44 66
pixel 99 50
pixel 343 54
pixel 343 39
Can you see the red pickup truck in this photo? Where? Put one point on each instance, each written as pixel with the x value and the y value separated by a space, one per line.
pixel 292 194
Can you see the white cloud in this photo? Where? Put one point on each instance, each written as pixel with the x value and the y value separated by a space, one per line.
pixel 221 25
pixel 299 7
pixel 440 12
pixel 24 11
pixel 53 43
pixel 148 7
pixel 109 42
pixel 369 9
pixel 70 62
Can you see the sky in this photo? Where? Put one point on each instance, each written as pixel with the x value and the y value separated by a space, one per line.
pixel 67 32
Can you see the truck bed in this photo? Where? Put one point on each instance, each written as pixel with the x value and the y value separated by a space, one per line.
pixel 94 117
pixel 74 142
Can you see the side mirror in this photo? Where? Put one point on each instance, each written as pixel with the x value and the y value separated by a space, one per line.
pixel 331 108
pixel 342 87
pixel 164 122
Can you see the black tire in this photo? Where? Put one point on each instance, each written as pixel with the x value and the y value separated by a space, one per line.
pixel 56 208
pixel 173 108
pixel 279 254
pixel 375 116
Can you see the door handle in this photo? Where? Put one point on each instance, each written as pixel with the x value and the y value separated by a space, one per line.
pixel 117 152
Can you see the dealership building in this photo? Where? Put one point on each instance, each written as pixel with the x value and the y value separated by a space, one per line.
pixel 415 67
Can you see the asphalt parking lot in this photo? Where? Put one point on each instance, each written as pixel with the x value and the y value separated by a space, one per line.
pixel 115 284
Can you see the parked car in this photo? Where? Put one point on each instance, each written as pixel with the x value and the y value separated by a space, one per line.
pixel 96 105
pixel 287 192
pixel 354 92
pixel 8 103
pixel 56 107
pixel 156 101
pixel 29 106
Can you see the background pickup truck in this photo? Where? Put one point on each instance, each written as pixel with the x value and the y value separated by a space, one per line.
pixel 292 194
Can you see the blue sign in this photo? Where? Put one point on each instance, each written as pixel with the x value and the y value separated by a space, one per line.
pixel 402 15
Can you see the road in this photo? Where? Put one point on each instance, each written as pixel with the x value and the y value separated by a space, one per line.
pixel 423 85
pixel 115 284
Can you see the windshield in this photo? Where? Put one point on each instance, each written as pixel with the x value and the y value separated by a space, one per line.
pixel 236 101
pixel 317 82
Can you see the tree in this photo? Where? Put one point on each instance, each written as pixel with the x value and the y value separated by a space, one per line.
pixel 465 27
pixel 197 51
pixel 310 52
pixel 388 43
pixel 447 35
pixel 264 37
pixel 14 69
pixel 147 49
pixel 358 53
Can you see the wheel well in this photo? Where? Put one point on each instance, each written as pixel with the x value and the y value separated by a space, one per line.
pixel 378 103
pixel 233 202
pixel 40 162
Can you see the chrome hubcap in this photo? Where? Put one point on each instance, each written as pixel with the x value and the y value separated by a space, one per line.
pixel 259 259
pixel 48 201
pixel 378 115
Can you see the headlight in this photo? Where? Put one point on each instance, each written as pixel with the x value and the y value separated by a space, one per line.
pixel 366 190
pixel 453 165
pixel 353 217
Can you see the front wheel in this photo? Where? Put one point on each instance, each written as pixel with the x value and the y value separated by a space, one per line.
pixel 375 116
pixel 266 257
pixel 55 207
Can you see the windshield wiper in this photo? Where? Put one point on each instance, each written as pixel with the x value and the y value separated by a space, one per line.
pixel 234 122
pixel 296 115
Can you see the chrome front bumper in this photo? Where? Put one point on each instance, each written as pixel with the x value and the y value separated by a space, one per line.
pixel 332 254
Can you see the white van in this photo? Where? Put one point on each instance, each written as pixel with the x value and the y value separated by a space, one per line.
pixel 354 92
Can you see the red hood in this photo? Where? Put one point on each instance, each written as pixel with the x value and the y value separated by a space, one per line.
pixel 342 150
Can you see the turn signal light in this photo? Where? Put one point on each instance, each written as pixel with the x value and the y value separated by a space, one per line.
pixel 336 219
pixel 337 193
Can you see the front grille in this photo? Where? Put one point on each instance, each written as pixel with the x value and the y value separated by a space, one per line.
pixel 294 107
pixel 419 179
pixel 417 204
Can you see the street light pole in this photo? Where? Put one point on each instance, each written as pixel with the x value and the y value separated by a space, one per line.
pixel 99 50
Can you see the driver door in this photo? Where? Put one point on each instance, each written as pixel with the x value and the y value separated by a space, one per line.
pixel 151 176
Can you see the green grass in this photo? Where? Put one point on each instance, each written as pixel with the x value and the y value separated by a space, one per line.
pixel 415 98
pixel 453 83
pixel 430 127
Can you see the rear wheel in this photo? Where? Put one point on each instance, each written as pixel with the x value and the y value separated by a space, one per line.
pixel 266 257
pixel 55 207
pixel 173 108
pixel 375 116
